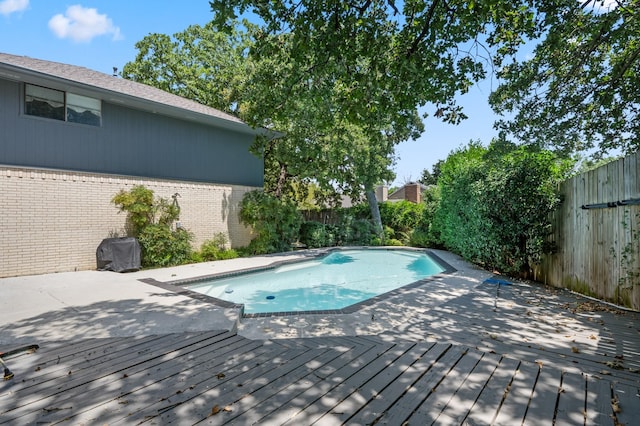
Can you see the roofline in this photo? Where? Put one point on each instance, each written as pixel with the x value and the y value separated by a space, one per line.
pixel 25 75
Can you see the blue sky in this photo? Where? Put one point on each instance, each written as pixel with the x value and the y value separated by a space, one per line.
pixel 101 35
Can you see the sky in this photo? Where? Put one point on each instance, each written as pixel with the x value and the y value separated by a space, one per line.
pixel 101 35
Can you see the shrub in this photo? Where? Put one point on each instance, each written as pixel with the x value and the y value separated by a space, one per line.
pixel 315 234
pixel 312 234
pixel 402 216
pixel 357 232
pixel 140 208
pixel 216 249
pixel 495 204
pixel 275 222
pixel 151 220
pixel 163 247
pixel 425 234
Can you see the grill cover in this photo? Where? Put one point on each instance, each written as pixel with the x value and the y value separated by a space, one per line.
pixel 118 254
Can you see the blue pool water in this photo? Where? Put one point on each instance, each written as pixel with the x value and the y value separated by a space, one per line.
pixel 336 281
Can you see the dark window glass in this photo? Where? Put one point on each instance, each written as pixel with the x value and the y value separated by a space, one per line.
pixel 44 102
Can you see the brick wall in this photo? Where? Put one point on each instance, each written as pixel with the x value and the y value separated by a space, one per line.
pixel 53 221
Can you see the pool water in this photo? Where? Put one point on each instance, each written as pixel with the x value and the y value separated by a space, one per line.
pixel 340 279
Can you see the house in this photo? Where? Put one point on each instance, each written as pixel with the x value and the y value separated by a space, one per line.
pixel 71 138
pixel 411 191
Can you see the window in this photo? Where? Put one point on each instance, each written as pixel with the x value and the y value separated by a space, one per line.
pixel 43 102
pixel 81 109
pixel 58 105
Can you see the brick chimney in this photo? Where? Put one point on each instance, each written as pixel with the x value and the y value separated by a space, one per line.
pixel 382 193
pixel 412 192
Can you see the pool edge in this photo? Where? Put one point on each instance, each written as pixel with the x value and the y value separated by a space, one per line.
pixel 176 286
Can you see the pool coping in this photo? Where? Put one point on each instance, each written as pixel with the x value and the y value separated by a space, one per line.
pixel 177 286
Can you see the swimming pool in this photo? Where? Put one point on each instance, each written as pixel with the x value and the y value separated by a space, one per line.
pixel 333 282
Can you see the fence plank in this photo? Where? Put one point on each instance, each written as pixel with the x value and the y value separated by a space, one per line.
pixel 591 242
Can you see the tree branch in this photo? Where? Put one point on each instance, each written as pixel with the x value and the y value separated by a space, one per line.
pixel 393 6
pixel 425 29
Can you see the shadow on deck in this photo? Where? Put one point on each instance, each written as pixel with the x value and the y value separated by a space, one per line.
pixel 219 377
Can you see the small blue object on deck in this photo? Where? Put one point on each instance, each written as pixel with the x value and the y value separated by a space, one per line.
pixel 270 297
pixel 499 281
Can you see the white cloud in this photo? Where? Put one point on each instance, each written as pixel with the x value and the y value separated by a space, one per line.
pixel 8 7
pixel 82 24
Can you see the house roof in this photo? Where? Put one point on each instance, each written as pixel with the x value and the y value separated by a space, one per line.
pixel 399 193
pixel 115 90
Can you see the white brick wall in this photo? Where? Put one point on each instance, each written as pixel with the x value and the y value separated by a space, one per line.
pixel 53 221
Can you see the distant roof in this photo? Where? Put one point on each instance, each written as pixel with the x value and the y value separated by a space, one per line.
pixel 114 89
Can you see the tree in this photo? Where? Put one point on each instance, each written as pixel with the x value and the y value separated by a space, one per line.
pixel 431 177
pixel 580 90
pixel 379 61
pixel 370 64
pixel 199 63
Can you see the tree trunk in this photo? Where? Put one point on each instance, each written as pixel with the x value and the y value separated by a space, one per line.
pixel 282 178
pixel 375 213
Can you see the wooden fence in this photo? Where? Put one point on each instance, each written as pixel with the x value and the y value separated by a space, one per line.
pixel 597 234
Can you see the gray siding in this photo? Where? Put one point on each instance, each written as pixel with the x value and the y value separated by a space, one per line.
pixel 129 142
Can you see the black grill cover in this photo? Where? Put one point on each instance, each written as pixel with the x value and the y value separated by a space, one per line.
pixel 118 255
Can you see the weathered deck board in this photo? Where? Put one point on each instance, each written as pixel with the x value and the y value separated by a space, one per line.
pixel 221 378
pixel 170 383
pixel 470 390
pixel 386 397
pixel 443 393
pixel 260 394
pixel 263 374
pixel 488 403
pixel 55 403
pixel 300 390
pixel 56 380
pixel 517 396
pixel 420 390
pixel 598 402
pixel 327 393
pixel 571 408
pixel 402 372
pixel 47 372
pixel 627 401
pixel 542 407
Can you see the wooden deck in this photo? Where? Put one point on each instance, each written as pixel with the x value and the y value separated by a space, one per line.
pixel 221 378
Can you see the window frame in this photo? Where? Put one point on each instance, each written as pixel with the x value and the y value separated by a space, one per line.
pixel 67 106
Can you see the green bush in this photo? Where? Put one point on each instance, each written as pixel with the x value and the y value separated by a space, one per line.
pixel 140 206
pixel 495 204
pixel 402 216
pixel 275 222
pixel 425 234
pixel 357 232
pixel 312 234
pixel 216 249
pixel 315 234
pixel 151 220
pixel 163 247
